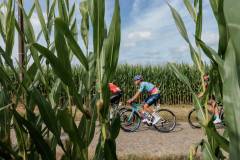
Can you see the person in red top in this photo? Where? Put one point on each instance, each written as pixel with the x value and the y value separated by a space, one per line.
pixel 116 93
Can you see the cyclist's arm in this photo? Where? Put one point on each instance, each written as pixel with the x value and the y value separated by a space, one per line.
pixel 136 96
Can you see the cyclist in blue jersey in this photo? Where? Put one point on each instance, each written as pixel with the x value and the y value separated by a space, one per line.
pixel 154 95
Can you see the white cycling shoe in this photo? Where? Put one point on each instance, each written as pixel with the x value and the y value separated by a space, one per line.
pixel 217 121
pixel 156 119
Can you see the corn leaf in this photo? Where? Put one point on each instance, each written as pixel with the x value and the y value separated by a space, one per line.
pixel 56 64
pixel 71 13
pixel 46 112
pixel 179 22
pixel 51 16
pixel 233 24
pixel 112 43
pixel 63 27
pixel 63 11
pixel 207 151
pixel 190 9
pixel 97 12
pixel 85 22
pixel 41 146
pixel 198 32
pixel 70 128
pixel 62 49
pixel 231 96
pixel 10 31
pixel 42 21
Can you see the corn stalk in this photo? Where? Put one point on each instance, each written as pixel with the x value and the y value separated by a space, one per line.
pixel 225 63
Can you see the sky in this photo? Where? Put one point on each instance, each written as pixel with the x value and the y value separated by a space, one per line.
pixel 149 34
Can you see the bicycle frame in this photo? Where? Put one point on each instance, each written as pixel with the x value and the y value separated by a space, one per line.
pixel 135 109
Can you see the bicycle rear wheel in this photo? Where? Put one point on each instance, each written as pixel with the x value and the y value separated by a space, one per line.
pixel 193 120
pixel 167 120
pixel 130 121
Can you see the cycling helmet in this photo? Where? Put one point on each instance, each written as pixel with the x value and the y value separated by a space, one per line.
pixel 137 77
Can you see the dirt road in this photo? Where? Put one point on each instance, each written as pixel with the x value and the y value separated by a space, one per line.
pixel 148 142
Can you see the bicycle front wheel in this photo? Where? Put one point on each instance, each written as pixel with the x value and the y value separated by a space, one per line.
pixel 130 121
pixel 167 120
pixel 193 119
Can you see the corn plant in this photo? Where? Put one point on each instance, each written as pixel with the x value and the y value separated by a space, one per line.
pixel 38 133
pixel 224 62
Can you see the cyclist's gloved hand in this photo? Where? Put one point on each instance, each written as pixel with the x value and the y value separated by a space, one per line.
pixel 130 101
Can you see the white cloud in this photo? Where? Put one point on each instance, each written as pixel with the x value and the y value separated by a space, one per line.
pixel 210 38
pixel 135 37
pixel 139 35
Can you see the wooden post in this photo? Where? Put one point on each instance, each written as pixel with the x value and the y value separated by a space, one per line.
pixel 21 46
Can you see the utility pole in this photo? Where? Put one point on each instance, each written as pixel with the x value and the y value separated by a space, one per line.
pixel 21 46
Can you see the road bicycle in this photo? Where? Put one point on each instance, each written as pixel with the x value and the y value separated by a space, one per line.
pixel 194 122
pixel 131 118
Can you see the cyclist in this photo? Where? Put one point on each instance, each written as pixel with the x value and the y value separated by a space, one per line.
pixel 154 95
pixel 116 93
pixel 212 104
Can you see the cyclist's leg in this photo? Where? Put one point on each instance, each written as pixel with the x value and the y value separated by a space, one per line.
pixel 147 107
pixel 151 100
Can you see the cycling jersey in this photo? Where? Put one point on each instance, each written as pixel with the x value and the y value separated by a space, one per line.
pixel 148 87
pixel 113 88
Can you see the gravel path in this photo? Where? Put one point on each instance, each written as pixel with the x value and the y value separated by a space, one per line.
pixel 148 142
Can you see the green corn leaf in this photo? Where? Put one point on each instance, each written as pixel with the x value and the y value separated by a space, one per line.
pixel 69 126
pixel 67 4
pixel 54 95
pixel 9 152
pixel 198 32
pixel 190 9
pixel 110 149
pixel 84 22
pixel 115 127
pixel 62 49
pixel 30 74
pixel 74 29
pixel 21 136
pixel 231 96
pixel 41 146
pixel 212 133
pixel 112 43
pixel 233 24
pixel 10 33
pixel 71 13
pixel 51 16
pixel 217 7
pixel 30 37
pixel 63 27
pixel 46 112
pixel 58 68
pixel 195 3
pixel 63 11
pixel 31 11
pixel 86 127
pixel 4 76
pixel 207 151
pixel 42 21
pixel 212 55
pixel 179 22
pixel 97 12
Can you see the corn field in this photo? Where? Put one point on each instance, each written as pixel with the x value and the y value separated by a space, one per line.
pixel 172 90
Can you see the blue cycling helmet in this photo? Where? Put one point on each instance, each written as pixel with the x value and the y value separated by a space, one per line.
pixel 138 77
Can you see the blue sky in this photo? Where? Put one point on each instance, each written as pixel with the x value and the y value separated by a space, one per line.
pixel 149 35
